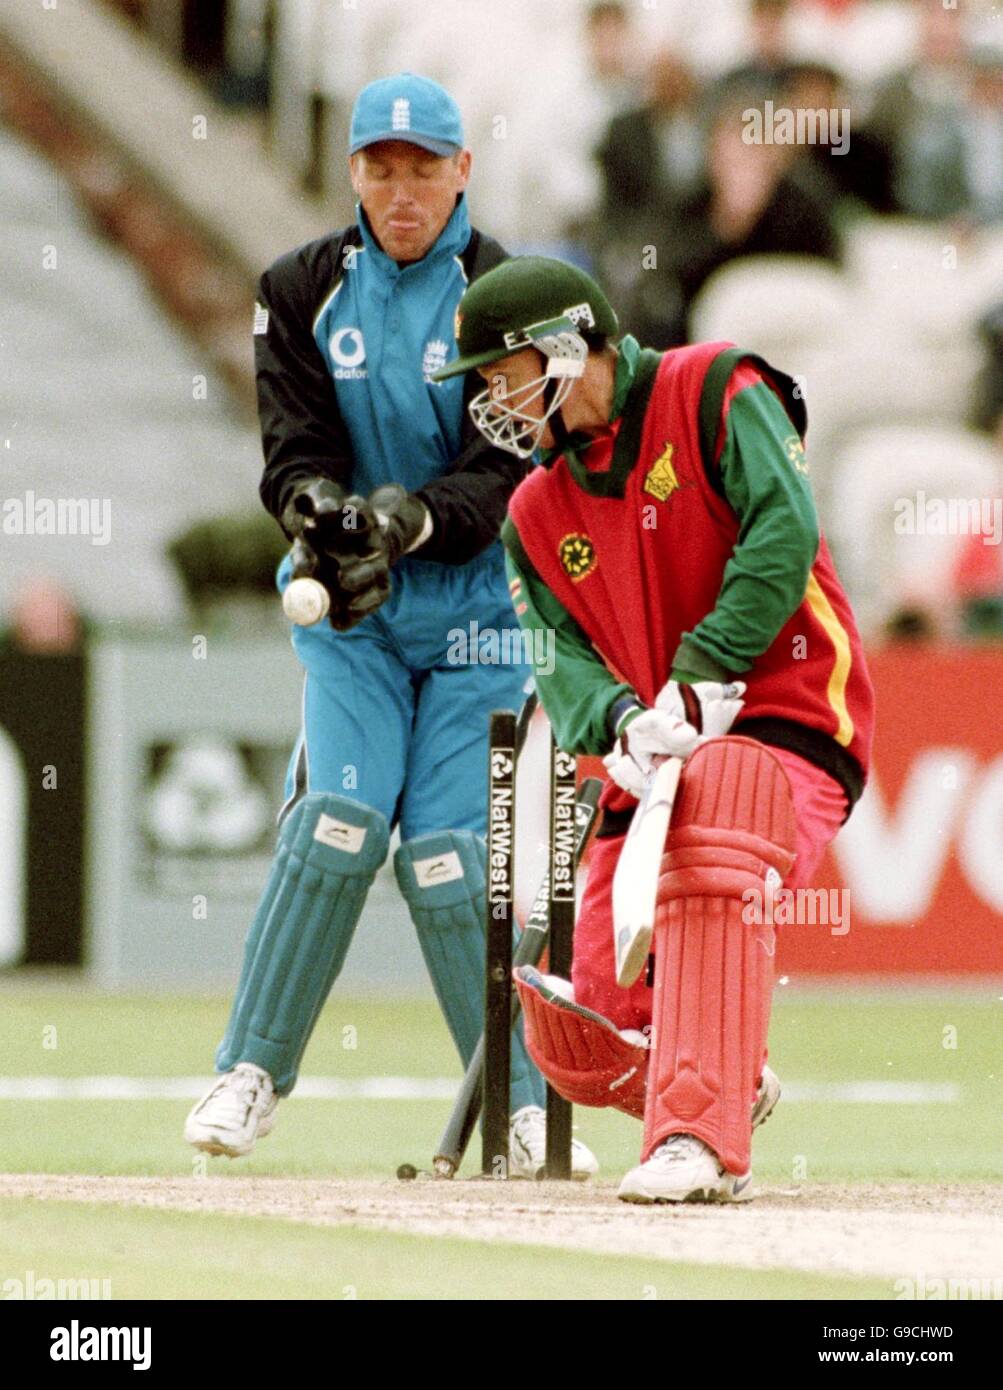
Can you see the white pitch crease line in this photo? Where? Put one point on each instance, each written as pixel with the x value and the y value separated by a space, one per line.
pixel 874 1092
pixel 429 1088
pixel 191 1087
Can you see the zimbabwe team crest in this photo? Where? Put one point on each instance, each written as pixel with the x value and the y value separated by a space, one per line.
pixel 577 555
pixel 796 455
pixel 661 481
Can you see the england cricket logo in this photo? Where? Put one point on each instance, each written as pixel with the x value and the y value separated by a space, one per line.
pixel 436 352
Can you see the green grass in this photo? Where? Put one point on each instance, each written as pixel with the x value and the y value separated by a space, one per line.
pixel 817 1038
pixel 888 1038
pixel 165 1035
pixel 158 1254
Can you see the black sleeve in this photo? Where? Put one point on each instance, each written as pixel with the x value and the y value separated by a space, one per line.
pixel 302 432
pixel 626 160
pixel 468 504
pixel 799 220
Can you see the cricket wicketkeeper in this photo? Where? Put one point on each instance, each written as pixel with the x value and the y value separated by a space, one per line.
pixel 671 543
pixel 393 504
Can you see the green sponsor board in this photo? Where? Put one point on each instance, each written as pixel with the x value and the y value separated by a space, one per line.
pixel 187 745
pixel 188 742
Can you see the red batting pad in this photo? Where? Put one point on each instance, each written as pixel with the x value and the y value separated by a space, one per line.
pixel 579 1052
pixel 733 822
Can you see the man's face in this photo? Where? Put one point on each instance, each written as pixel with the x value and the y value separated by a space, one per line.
pixel 408 194
pixel 507 381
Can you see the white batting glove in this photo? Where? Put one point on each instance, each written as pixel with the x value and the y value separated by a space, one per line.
pixel 624 770
pixel 652 733
pixel 710 707
pixel 677 725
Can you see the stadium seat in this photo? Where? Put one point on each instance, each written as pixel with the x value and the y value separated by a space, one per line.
pixel 884 466
pixel 772 305
pixel 916 277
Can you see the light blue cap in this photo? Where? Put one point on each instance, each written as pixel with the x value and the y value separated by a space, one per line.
pixel 410 108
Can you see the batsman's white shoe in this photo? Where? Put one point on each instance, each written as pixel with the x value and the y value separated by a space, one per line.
pixel 766 1100
pixel 527 1137
pixel 684 1169
pixel 233 1113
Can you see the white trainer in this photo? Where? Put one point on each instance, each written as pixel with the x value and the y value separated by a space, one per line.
pixel 766 1100
pixel 684 1169
pixel 234 1112
pixel 527 1136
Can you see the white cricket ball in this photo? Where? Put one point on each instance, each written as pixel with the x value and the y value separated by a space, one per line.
pixel 305 602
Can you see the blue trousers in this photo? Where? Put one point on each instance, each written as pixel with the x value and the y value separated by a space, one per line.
pixel 390 717
pixel 395 719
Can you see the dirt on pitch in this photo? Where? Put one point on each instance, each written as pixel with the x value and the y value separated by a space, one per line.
pixel 953 1232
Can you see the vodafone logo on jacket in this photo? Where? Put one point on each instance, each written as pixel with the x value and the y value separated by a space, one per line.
pixel 348 352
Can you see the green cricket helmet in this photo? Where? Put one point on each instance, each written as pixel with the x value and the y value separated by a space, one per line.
pixel 529 301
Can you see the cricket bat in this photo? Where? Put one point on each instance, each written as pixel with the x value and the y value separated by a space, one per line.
pixel 635 882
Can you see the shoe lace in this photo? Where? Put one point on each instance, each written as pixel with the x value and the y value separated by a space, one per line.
pixel 241 1088
pixel 678 1148
pixel 529 1127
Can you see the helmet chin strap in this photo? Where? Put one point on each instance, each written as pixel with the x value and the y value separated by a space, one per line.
pixel 558 428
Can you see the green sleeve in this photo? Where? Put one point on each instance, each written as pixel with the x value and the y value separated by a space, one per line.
pixel 575 687
pixel 764 477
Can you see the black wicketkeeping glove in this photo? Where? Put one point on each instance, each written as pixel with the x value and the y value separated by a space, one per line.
pixel 392 522
pixel 312 508
pixel 404 520
pixel 338 541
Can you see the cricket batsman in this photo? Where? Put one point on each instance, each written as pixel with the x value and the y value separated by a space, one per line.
pixel 670 542
pixel 393 504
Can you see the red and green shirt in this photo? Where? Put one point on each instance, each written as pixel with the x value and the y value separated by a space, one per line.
pixel 682 541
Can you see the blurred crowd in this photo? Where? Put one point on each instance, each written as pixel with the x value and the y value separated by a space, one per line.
pixel 651 141
pixel 686 188
pixel 680 173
